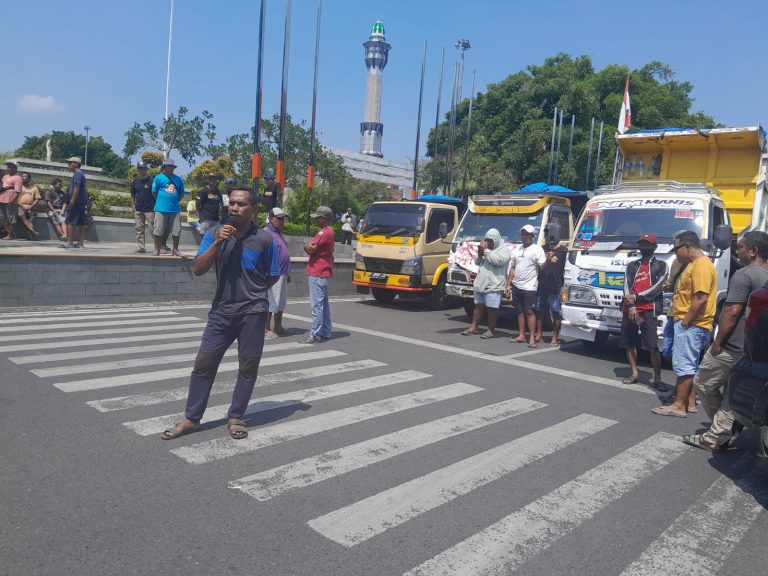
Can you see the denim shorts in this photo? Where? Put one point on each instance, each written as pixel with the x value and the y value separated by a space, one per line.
pixel 489 299
pixel 688 348
pixel 548 301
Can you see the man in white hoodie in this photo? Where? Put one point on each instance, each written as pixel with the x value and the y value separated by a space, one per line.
pixel 492 259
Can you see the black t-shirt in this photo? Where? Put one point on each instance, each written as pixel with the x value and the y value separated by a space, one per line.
pixel 208 205
pixel 56 197
pixel 741 285
pixel 141 192
pixel 552 272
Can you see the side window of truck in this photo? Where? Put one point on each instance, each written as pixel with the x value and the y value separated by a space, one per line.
pixel 435 219
pixel 560 216
pixel 718 216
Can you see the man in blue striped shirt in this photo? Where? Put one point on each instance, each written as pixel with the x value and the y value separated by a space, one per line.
pixel 247 264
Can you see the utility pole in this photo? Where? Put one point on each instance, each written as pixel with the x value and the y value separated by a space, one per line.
pixel 87 139
pixel 462 45
pixel 256 158
pixel 418 123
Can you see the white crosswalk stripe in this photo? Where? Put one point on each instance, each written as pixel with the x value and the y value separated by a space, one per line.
pixel 159 423
pixel 51 329
pixel 271 483
pixel 365 519
pixel 101 343
pixel 41 358
pixel 163 396
pixel 506 545
pixel 94 316
pixel 701 539
pixel 224 447
pixel 105 332
pixel 150 361
pixel 158 375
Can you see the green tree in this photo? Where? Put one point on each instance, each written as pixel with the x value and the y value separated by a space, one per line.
pixel 67 144
pixel 190 137
pixel 512 123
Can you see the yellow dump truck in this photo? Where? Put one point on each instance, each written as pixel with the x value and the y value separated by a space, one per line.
pixel 400 249
pixel 712 182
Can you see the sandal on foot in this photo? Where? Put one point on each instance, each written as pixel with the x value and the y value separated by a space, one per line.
pixel 698 441
pixel 486 335
pixel 468 332
pixel 180 429
pixel 694 410
pixel 632 380
pixel 237 429
pixel 667 411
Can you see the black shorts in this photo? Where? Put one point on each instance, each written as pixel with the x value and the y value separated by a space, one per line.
pixel 525 299
pixel 76 215
pixel 645 335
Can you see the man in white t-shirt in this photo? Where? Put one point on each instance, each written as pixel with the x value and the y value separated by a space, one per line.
pixel 523 281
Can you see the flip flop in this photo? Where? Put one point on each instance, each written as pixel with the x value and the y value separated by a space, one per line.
pixel 468 332
pixel 666 411
pixel 180 430
pixel 237 429
pixel 532 345
pixel 633 380
pixel 697 440
pixel 693 410
pixel 486 335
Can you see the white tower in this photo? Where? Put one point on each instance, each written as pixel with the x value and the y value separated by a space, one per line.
pixel 371 128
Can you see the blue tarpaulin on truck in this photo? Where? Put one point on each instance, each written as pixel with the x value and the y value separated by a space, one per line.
pixel 544 188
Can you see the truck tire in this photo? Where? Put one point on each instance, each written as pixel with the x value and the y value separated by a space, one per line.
pixel 600 339
pixel 383 296
pixel 438 298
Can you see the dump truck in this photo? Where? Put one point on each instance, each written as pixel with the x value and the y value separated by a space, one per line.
pixel 712 182
pixel 538 204
pixel 402 248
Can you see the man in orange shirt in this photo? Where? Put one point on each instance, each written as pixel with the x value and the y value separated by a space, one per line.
pixel 693 305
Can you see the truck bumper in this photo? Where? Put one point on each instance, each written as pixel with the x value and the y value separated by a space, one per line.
pixel 397 282
pixel 459 290
pixel 584 323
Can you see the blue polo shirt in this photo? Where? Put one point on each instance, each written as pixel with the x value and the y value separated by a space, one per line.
pixel 243 267
pixel 168 192
pixel 78 178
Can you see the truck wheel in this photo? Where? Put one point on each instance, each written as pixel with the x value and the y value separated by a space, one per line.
pixel 600 339
pixel 438 298
pixel 383 296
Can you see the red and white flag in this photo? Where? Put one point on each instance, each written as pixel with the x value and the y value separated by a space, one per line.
pixel 625 117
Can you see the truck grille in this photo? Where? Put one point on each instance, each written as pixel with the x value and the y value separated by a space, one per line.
pixel 459 277
pixel 382 265
pixel 609 298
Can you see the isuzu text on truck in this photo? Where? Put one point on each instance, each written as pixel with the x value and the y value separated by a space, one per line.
pixel 709 181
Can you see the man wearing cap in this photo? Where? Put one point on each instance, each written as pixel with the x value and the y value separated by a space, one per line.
pixel 142 204
pixel 168 190
pixel 9 195
pixel 209 204
pixel 77 200
pixel 272 196
pixel 277 293
pixel 319 272
pixel 643 301
pixel 523 280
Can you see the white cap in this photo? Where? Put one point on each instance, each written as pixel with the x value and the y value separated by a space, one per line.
pixel 528 228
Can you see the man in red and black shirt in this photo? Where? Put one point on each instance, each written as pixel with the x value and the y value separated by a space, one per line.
pixel 643 301
pixel 319 272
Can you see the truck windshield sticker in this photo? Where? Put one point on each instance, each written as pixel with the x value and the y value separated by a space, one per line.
pixel 687 214
pixel 644 203
pixel 613 280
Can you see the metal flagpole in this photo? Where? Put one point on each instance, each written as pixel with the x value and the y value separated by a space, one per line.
pixel 451 124
pixel 570 150
pixel 418 122
pixel 589 154
pixel 256 158
pixel 437 114
pixel 552 147
pixel 313 136
pixel 597 158
pixel 168 68
pixel 555 177
pixel 284 101
pixel 469 136
pixel 616 164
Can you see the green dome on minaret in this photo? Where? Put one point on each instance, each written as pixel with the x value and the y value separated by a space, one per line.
pixel 378 28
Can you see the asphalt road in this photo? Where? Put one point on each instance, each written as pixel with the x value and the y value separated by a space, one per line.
pixel 397 447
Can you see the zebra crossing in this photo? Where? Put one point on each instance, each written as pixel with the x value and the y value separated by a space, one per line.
pixel 149 368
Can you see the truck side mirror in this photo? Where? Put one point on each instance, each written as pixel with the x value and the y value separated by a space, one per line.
pixel 552 233
pixel 443 230
pixel 722 237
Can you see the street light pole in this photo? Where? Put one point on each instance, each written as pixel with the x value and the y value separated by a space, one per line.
pixel 87 139
pixel 168 67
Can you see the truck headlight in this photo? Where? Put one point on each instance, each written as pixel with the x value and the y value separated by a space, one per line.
pixel 581 295
pixel 411 267
pixel 359 262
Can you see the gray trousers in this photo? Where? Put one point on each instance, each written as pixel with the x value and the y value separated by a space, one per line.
pixel 710 383
pixel 143 219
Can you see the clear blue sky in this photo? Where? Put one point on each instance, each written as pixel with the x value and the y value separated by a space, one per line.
pixel 103 63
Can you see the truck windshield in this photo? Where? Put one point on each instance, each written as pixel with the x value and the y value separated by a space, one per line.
pixel 399 219
pixel 627 220
pixel 474 226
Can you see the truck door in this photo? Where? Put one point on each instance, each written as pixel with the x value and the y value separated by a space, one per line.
pixel 435 249
pixel 718 216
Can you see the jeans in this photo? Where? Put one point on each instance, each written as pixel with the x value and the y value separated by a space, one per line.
pixel 321 308
pixel 690 344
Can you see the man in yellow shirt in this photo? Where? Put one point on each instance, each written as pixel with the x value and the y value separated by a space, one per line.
pixel 694 304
